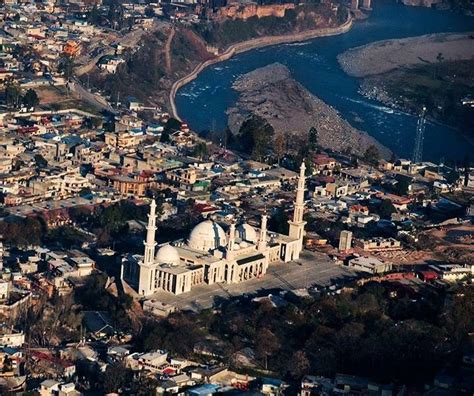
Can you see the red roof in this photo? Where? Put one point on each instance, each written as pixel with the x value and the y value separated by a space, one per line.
pixel 203 208
pixel 429 275
pixel 321 159
pixel 359 208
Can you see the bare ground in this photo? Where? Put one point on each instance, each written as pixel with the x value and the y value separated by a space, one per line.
pixel 387 55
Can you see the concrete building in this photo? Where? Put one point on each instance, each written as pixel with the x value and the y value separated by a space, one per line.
pixel 211 255
pixel 345 241
pixel 453 272
pixel 378 244
pixel 371 265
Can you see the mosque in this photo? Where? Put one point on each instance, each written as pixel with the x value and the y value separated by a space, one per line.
pixel 210 255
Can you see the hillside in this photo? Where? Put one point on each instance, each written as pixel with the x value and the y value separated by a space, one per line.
pixel 222 33
pixel 168 54
pixel 164 56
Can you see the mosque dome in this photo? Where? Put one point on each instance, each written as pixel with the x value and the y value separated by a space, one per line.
pixel 207 236
pixel 246 233
pixel 167 254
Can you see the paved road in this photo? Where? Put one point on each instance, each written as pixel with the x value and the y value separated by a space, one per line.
pixel 95 100
pixel 311 269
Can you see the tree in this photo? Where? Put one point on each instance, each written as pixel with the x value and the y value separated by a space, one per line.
pixel 12 94
pixel 66 66
pixel 149 12
pixel 172 125
pixel 279 146
pixel 115 377
pixel 165 137
pixel 467 169
pixel 40 161
pixel 30 99
pixel 85 191
pixel 255 137
pixel 266 344
pixel 94 16
pixel 299 364
pixel 386 209
pixel 313 139
pixel 372 155
pixel 200 150
pixel 440 59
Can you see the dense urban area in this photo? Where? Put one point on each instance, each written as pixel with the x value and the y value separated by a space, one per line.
pixel 140 257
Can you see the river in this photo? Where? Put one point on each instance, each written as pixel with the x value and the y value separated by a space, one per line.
pixel 203 102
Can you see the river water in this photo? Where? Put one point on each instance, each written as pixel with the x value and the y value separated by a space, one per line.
pixel 203 102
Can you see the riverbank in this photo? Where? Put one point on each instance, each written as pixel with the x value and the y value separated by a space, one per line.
pixel 432 71
pixel 250 45
pixel 388 55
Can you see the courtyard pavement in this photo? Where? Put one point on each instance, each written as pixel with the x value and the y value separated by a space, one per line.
pixel 312 269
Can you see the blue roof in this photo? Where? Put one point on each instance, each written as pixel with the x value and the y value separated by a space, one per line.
pixel 48 135
pixel 205 389
pixel 72 140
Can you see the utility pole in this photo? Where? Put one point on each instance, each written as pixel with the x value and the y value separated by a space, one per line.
pixel 419 137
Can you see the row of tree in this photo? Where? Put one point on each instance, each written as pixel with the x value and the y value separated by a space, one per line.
pixel 407 339
pixel 15 98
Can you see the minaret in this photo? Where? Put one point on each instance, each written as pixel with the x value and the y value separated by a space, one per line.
pixel 262 240
pixel 297 224
pixel 150 243
pixel 2 252
pixel 231 242
pixel 146 284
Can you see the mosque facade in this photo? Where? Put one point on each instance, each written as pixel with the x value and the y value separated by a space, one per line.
pixel 211 255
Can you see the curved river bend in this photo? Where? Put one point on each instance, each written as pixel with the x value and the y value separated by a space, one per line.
pixel 203 102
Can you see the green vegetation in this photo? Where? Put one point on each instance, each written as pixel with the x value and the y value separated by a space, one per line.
pixel 30 99
pixel 369 332
pixel 304 17
pixel 440 87
pixel 108 223
pixel 144 73
pixel 14 97
pixel 372 155
pixel 255 137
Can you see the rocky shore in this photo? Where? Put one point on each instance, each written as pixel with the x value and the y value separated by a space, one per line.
pixel 271 93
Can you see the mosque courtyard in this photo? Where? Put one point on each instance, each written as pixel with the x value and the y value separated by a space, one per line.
pixel 311 269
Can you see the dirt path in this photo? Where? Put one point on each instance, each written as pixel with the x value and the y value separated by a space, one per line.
pixel 167 50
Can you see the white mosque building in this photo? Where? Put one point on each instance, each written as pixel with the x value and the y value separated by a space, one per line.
pixel 210 255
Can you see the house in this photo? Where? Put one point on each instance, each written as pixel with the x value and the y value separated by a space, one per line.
pixel 10 337
pixel 158 308
pixel 272 386
pixel 378 244
pixel 453 272
pixel 153 361
pixel 370 265
pixel 110 63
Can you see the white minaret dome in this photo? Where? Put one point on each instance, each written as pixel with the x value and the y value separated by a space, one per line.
pixel 206 236
pixel 167 254
pixel 246 233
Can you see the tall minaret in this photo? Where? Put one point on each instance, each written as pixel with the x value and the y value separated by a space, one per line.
pixel 146 284
pixel 262 240
pixel 231 242
pixel 150 243
pixel 297 224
